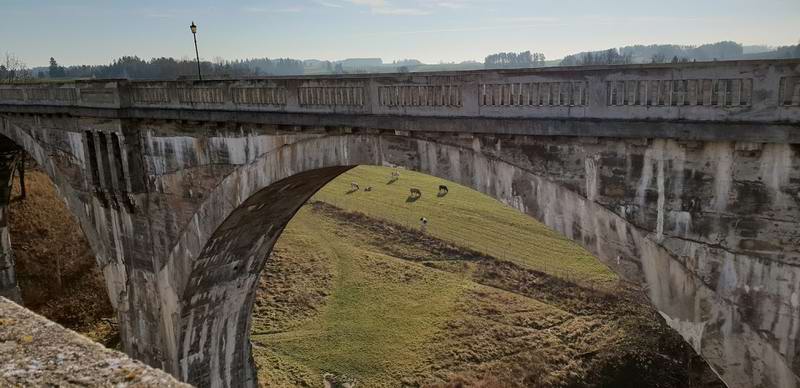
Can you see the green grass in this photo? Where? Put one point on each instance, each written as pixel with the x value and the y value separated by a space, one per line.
pixel 382 317
pixel 380 314
pixel 468 219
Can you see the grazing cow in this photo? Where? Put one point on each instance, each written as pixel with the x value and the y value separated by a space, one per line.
pixel 368 188
pixel 395 176
pixel 415 193
pixel 443 189
pixel 353 186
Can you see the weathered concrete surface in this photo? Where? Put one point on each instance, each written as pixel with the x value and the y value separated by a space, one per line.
pixel 731 91
pixel 182 189
pixel 9 155
pixel 38 352
pixel 651 218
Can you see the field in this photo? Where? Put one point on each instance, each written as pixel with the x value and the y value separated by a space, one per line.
pixel 355 293
pixel 467 219
pixel 485 297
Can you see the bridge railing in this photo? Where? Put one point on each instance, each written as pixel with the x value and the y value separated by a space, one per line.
pixel 767 91
pixel 93 94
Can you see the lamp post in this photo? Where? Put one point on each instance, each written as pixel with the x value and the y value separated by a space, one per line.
pixel 193 27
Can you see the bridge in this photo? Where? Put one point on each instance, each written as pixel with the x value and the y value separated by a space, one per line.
pixel 684 178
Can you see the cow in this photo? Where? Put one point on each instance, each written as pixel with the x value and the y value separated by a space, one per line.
pixel 395 176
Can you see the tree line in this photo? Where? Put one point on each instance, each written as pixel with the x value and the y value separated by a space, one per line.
pixel 666 53
pixel 514 60
pixel 605 57
pixel 662 53
pixel 133 67
pixel 12 69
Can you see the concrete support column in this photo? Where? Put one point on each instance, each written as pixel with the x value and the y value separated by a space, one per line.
pixel 9 156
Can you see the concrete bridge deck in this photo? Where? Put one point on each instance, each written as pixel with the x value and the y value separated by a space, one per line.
pixel 684 178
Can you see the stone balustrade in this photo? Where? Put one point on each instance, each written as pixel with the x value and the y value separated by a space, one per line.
pixel 736 91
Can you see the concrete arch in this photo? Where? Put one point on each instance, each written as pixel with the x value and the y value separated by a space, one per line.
pixel 94 222
pixel 208 282
pixel 27 143
pixel 12 136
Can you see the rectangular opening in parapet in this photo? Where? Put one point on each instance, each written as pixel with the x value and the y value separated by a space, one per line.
pixel 728 92
pixel 789 91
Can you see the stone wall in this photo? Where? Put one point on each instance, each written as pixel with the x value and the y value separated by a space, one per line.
pixel 735 91
pixel 38 352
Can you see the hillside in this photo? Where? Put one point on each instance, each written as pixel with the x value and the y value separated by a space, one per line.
pixel 486 297
pixel 467 219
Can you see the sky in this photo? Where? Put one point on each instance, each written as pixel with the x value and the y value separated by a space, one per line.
pixel 98 31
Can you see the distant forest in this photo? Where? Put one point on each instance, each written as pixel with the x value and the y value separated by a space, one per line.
pixel 132 67
pixel 171 68
pixel 514 60
pixel 665 53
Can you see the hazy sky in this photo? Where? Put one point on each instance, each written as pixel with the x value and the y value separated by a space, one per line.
pixel 97 31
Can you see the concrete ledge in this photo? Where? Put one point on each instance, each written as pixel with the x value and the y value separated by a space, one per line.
pixel 37 352
pixel 682 130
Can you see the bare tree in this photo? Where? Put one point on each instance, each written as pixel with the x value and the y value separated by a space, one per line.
pixel 13 69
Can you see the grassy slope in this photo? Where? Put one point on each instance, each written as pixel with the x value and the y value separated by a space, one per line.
pixel 382 319
pixel 466 218
pixel 380 312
